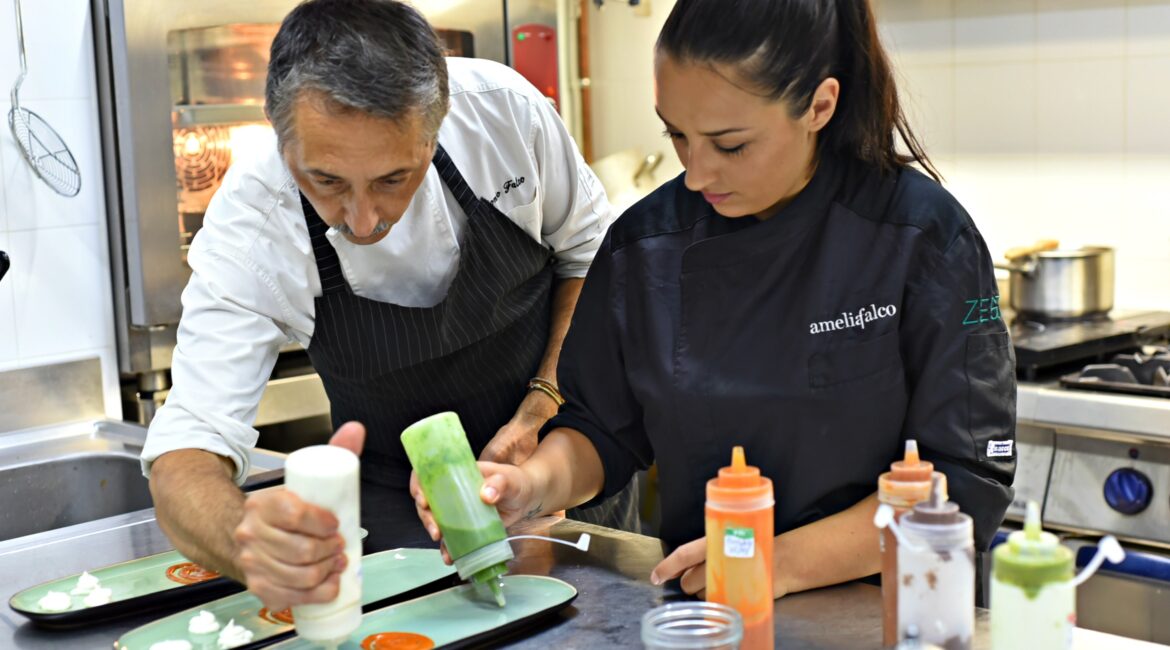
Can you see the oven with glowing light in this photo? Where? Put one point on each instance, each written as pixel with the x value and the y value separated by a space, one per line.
pixel 217 88
pixel 181 98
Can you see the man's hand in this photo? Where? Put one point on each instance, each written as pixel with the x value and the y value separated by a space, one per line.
pixel 352 436
pixel 289 551
pixel 516 440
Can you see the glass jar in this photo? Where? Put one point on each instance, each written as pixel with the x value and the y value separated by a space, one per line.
pixel 692 626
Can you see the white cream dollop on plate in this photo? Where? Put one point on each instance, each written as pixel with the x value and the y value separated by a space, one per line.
pixel 99 596
pixel 203 623
pixel 86 583
pixel 233 636
pixel 55 601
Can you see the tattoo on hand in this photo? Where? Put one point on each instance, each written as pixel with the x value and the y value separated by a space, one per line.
pixel 531 514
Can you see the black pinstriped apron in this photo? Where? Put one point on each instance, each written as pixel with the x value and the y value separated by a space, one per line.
pixel 389 366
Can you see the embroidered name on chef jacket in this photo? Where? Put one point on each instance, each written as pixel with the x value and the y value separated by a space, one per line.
pixel 982 310
pixel 853 319
pixel 509 185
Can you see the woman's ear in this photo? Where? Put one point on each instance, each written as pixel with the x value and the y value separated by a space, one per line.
pixel 824 104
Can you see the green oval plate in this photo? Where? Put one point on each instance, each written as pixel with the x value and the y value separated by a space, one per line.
pixel 387 577
pixel 459 616
pixel 145 584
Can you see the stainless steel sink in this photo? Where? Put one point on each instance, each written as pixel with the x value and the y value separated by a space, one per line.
pixel 79 473
pixel 67 491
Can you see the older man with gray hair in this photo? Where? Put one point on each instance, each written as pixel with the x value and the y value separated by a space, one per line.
pixel 421 226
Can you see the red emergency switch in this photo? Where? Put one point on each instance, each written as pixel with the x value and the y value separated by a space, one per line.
pixel 534 55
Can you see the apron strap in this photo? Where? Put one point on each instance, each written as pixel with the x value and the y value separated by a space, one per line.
pixel 328 264
pixel 455 182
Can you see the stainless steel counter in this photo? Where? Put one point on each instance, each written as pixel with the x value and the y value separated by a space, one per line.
pixel 612 581
pixel 1048 404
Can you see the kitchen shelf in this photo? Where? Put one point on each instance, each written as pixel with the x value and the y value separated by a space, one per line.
pixel 207 114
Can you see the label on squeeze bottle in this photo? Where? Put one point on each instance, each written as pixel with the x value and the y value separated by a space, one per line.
pixel 739 542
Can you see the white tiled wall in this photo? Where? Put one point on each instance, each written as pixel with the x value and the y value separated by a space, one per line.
pixel 622 74
pixel 55 302
pixel 1049 118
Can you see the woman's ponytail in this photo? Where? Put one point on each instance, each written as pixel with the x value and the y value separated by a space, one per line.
pixel 868 110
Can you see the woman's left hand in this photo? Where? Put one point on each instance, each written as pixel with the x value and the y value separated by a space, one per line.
pixel 688 561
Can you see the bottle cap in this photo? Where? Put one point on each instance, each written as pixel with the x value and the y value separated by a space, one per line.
pixel 911 467
pixel 908 480
pixel 485 566
pixel 1032 558
pixel 739 485
pixel 937 522
pixel 936 510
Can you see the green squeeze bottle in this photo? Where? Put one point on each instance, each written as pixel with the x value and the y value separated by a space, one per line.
pixel 450 479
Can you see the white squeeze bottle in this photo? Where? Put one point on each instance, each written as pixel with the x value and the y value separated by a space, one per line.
pixel 936 571
pixel 327 476
pixel 1033 591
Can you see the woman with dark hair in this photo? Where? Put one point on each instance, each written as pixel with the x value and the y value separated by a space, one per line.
pixel 800 290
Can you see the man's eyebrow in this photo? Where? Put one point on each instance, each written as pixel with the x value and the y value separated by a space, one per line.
pixel 320 172
pixel 396 172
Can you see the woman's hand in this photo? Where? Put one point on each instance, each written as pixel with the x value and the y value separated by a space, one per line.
pixel 507 487
pixel 688 561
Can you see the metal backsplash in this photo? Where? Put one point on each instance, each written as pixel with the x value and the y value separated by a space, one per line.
pixel 46 395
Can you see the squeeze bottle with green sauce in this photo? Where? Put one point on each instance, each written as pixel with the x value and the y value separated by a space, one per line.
pixel 739 547
pixel 450 480
pixel 1033 590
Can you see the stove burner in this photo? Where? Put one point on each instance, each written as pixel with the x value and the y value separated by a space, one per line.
pixel 1153 370
pixel 1136 373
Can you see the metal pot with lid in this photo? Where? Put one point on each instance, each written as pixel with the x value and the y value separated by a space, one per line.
pixel 1050 283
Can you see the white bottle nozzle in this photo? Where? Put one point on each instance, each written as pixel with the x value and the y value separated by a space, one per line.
pixel 938 492
pixel 1032 528
pixel 911 452
pixel 1112 549
pixel 582 543
pixel 1107 549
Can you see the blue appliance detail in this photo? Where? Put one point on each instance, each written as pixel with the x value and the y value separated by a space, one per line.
pixel 1128 491
pixel 1136 563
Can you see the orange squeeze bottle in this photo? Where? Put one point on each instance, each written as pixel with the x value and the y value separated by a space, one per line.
pixel 739 547
pixel 907 483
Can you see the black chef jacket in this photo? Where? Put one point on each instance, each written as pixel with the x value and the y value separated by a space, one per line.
pixel 862 314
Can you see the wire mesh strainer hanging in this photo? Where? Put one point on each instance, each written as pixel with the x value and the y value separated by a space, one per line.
pixel 42 148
